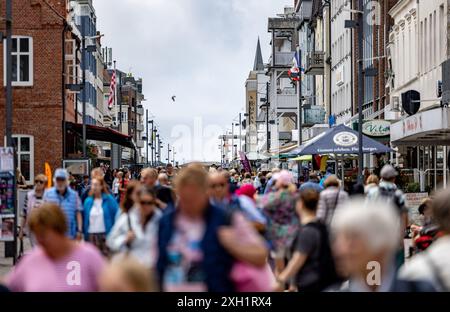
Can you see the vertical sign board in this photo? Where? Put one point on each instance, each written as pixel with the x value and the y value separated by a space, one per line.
pixel 8 211
pixel 413 201
pixel 252 115
pixel 245 162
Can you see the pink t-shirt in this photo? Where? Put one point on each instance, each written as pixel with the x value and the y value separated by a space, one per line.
pixel 78 272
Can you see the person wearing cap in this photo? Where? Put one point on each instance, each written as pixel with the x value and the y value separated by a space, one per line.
pixel 387 191
pixel 313 183
pixel 69 201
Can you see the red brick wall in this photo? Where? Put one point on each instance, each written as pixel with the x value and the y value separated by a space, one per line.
pixel 37 110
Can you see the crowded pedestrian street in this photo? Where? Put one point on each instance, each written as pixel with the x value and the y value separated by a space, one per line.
pixel 261 147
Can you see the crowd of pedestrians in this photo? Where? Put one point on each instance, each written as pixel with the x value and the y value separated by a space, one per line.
pixel 212 229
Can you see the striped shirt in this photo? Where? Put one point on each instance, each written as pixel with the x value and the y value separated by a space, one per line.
pixel 70 203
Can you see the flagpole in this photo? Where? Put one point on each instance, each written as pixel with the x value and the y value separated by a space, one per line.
pixel 115 95
pixel 118 115
pixel 300 109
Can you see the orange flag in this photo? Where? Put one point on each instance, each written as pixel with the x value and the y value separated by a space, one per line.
pixel 48 173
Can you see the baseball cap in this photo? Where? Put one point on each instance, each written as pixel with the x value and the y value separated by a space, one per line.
pixel 61 174
pixel 388 172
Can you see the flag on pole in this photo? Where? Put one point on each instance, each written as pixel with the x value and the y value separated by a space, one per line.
pixel 294 72
pixel 112 90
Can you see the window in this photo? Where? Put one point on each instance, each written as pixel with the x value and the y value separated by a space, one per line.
pixel 22 61
pixel 25 155
pixel 124 117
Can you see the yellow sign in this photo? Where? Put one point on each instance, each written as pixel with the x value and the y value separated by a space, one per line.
pixel 48 174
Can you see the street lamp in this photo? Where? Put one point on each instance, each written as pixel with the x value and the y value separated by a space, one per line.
pixel 85 49
pixel 150 144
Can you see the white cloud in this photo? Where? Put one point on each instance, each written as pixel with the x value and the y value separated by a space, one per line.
pixel 200 50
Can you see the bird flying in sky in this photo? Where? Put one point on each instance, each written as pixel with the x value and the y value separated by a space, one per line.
pixel 174 97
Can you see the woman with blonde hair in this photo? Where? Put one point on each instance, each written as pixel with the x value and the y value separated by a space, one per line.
pixel 371 182
pixel 127 274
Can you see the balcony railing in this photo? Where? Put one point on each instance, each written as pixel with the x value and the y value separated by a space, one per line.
pixel 283 59
pixel 314 114
pixel 315 63
pixel 285 100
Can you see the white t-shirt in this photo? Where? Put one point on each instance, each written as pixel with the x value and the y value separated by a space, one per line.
pixel 96 221
pixel 115 186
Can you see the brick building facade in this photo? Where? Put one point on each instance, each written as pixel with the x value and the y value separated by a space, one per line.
pixel 38 83
pixel 376 94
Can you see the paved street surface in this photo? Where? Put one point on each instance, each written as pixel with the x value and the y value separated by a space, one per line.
pixel 7 263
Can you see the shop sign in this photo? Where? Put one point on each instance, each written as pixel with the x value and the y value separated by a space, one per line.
pixel 377 128
pixel 412 125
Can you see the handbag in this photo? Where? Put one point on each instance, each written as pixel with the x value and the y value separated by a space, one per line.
pixel 248 278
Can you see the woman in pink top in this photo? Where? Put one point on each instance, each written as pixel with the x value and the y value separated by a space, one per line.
pixel 58 263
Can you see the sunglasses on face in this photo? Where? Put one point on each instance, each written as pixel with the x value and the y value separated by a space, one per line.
pixel 147 202
pixel 39 182
pixel 216 185
pixel 60 180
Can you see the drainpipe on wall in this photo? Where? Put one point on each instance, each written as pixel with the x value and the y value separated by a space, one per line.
pixel 63 87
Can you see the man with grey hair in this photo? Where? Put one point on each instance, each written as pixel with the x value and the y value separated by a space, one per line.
pixel 365 240
pixel 163 179
pixel 433 264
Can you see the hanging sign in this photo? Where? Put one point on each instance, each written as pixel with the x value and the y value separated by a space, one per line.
pixel 377 128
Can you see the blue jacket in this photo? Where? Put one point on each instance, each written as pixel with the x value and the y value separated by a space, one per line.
pixel 217 262
pixel 110 209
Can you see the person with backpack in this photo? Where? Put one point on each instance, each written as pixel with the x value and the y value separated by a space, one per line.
pixel 388 192
pixel 332 197
pixel 312 262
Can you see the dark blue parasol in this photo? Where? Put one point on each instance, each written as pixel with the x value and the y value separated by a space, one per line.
pixel 340 140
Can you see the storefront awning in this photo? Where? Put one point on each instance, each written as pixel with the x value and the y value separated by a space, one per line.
pixel 425 128
pixel 97 133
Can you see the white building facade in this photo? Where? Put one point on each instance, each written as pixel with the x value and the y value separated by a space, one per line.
pixel 418 46
pixel 341 62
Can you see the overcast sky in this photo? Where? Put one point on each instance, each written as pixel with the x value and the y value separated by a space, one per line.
pixel 199 50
